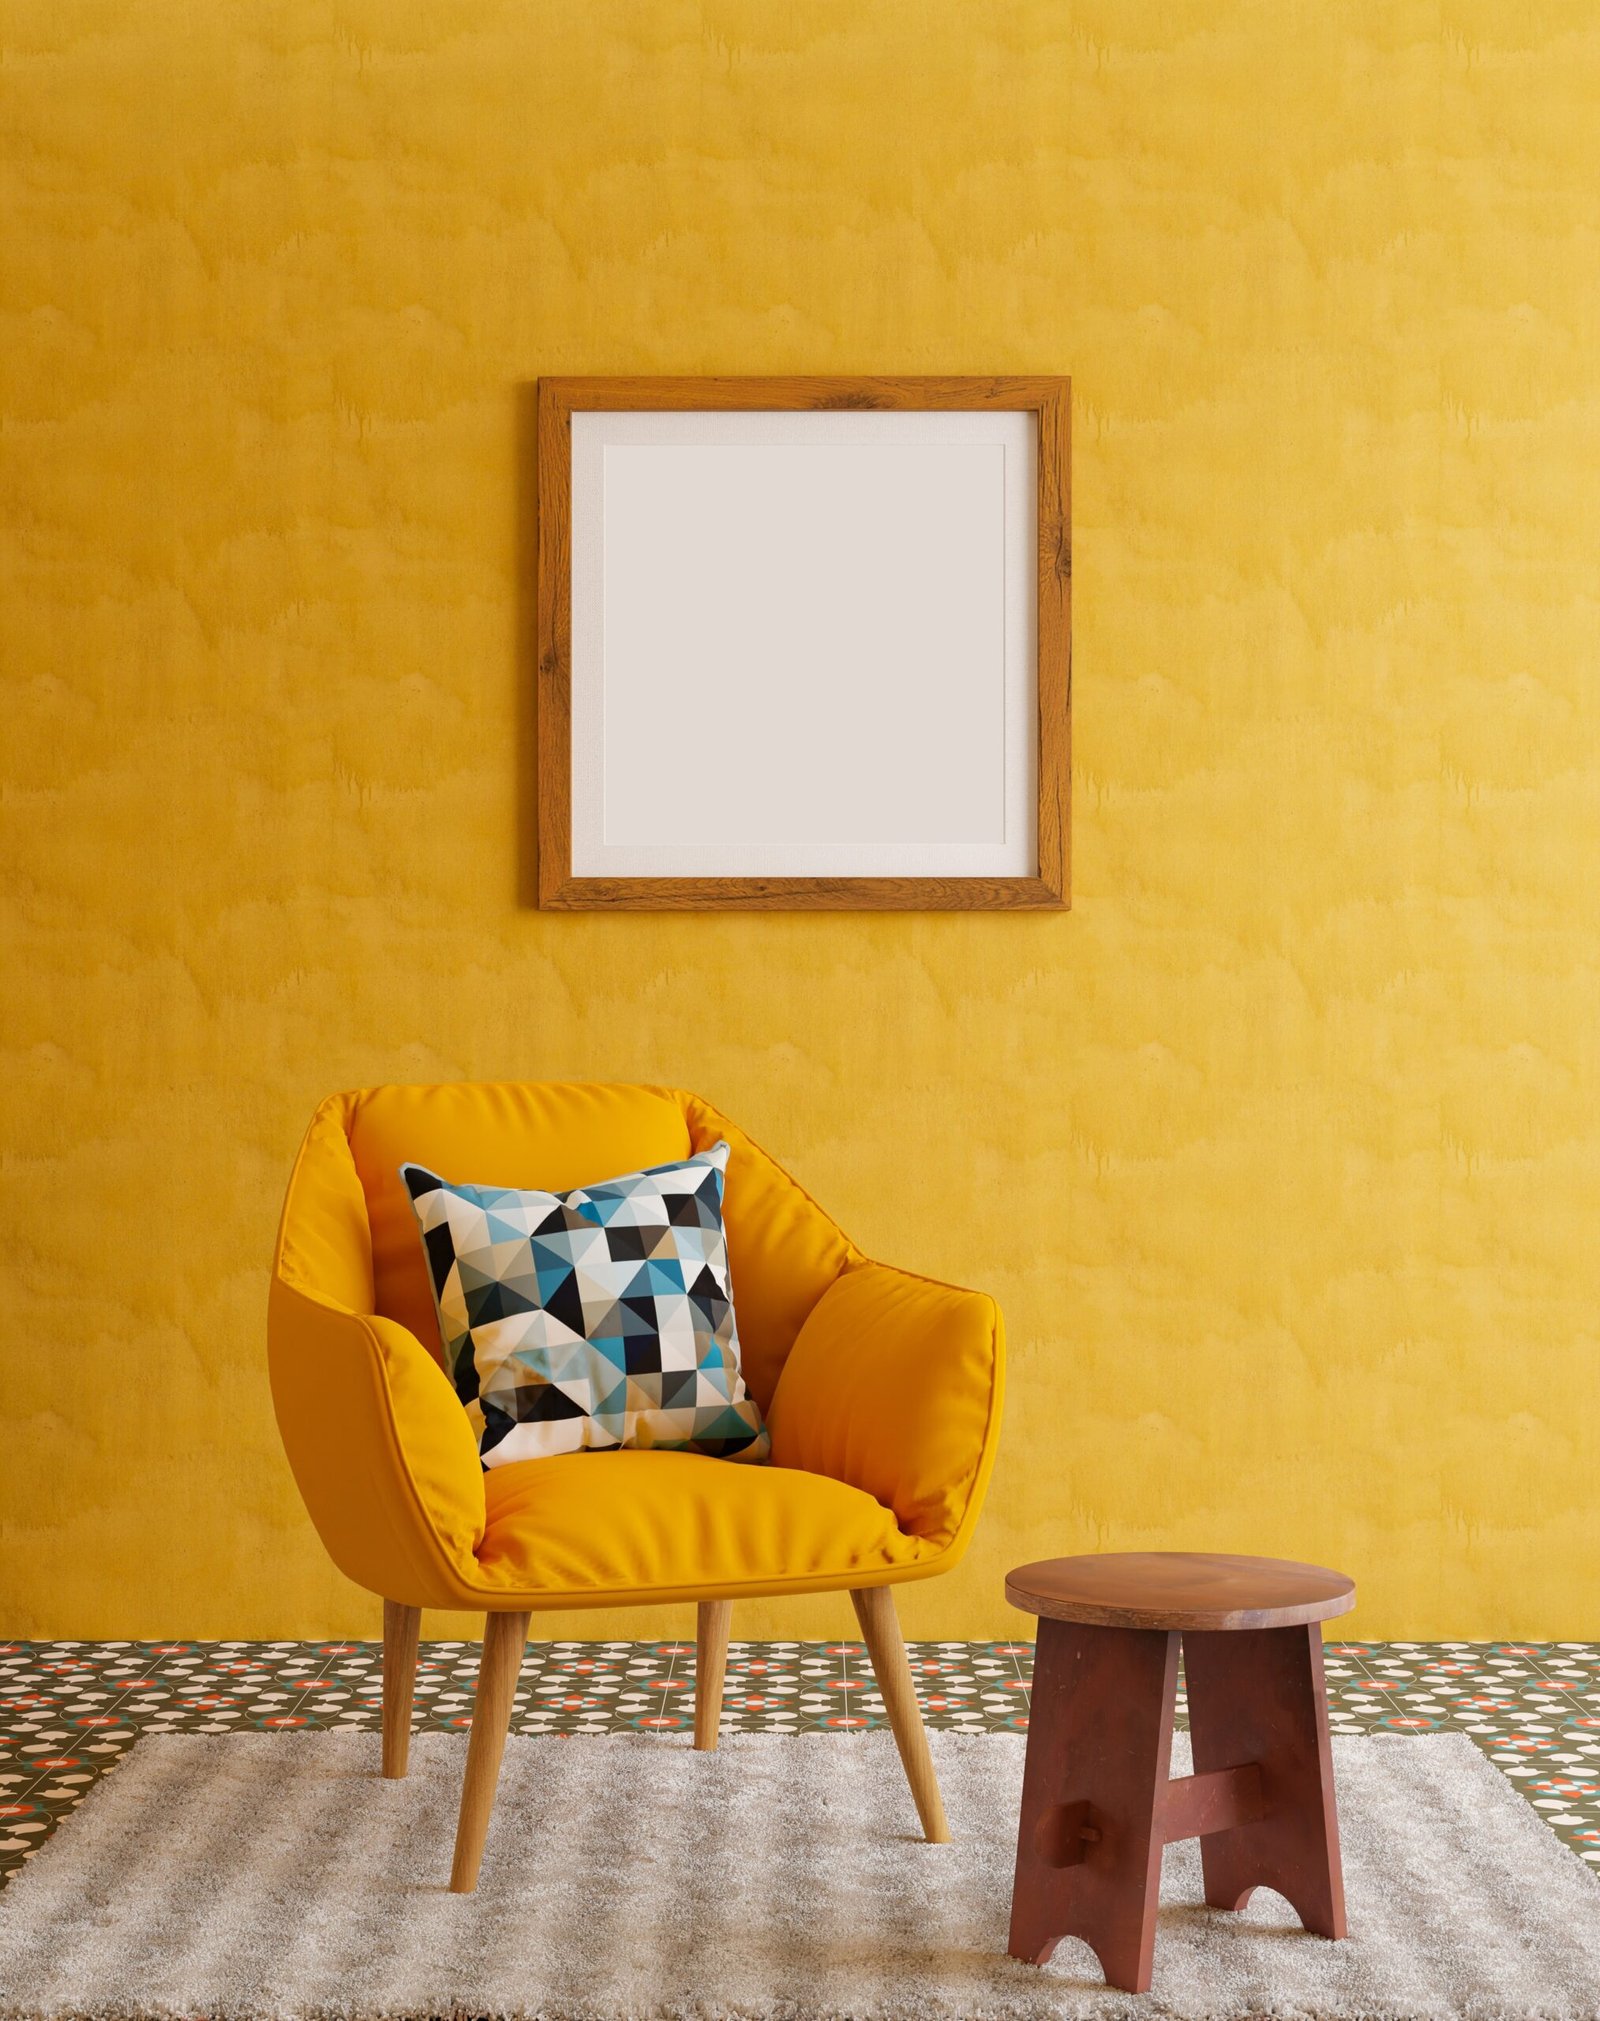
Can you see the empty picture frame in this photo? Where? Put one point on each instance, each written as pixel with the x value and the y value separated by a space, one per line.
pixel 803 643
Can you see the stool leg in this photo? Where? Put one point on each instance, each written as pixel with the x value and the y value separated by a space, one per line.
pixel 1258 1695
pixel 1089 1840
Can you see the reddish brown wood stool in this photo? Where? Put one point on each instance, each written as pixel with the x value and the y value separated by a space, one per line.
pixel 1097 1801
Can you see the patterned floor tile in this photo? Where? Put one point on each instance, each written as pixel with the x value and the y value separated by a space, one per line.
pixel 70 1710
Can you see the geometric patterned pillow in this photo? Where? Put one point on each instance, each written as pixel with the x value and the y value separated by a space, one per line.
pixel 598 1318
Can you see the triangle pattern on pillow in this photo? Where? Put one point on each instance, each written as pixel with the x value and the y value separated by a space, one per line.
pixel 592 1319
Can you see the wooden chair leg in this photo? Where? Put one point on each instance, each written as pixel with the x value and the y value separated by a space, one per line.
pixel 401 1626
pixel 503 1637
pixel 711 1663
pixel 880 1629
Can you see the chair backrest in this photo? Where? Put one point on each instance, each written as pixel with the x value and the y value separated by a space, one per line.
pixel 784 1251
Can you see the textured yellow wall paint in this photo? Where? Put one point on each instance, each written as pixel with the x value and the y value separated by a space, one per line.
pixel 1281 1150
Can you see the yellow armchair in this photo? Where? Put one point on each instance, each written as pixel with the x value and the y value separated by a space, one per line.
pixel 882 1392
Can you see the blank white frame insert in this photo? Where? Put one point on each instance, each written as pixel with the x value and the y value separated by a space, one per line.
pixel 804 644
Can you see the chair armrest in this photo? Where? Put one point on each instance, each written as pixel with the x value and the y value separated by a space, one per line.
pixel 381 1449
pixel 894 1385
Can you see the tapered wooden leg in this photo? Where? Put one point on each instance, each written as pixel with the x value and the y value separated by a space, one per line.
pixel 503 1637
pixel 1093 1791
pixel 880 1630
pixel 710 1666
pixel 400 1629
pixel 1258 1695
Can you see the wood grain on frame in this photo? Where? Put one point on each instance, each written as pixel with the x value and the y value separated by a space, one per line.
pixel 559 890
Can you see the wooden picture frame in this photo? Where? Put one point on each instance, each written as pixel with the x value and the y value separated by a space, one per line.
pixel 1039 883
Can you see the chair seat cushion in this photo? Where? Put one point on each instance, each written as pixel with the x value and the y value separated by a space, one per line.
pixel 590 1528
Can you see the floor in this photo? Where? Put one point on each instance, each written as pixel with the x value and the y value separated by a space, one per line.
pixel 70 1710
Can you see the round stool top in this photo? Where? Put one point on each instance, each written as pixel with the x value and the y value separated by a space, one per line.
pixel 1179 1589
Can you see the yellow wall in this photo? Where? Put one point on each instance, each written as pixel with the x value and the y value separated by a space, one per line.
pixel 1281 1150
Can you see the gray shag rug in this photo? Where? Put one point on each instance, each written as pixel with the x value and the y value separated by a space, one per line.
pixel 248 1877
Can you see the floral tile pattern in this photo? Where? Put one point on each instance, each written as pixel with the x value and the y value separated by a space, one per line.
pixel 70 1710
pixel 1533 1707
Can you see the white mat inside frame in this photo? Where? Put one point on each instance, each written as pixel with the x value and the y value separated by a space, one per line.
pixel 248 1876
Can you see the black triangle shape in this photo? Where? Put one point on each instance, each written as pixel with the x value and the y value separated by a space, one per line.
pixel 566 1304
pixel 441 1253
pixel 539 1403
pixel 466 1381
pixel 495 1426
pixel 497 1301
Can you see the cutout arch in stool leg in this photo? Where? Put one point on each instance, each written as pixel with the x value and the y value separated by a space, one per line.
pixel 1259 1696
pixel 1090 1836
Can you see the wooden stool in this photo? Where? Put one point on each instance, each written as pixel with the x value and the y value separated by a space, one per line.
pixel 1097 1802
